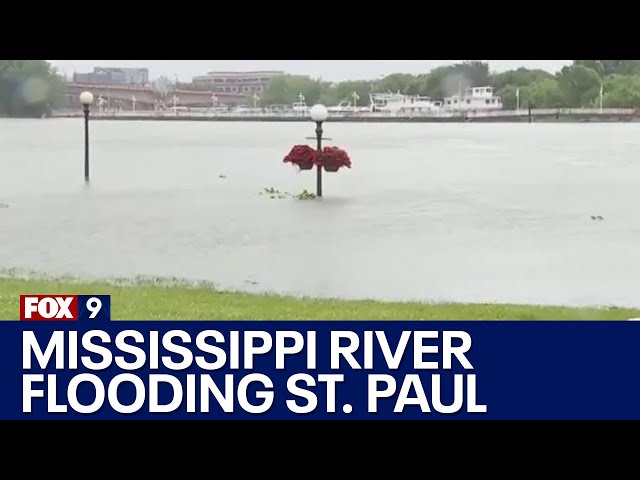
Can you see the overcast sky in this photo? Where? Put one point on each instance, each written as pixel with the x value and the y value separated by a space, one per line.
pixel 332 70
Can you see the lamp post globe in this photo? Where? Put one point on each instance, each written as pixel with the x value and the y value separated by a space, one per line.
pixel 319 113
pixel 86 98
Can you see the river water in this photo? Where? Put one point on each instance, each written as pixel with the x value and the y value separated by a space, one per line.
pixel 430 212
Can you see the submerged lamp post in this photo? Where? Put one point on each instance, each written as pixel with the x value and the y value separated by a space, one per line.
pixel 319 114
pixel 329 159
pixel 86 98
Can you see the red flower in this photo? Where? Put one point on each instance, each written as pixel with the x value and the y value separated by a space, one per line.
pixel 301 155
pixel 333 158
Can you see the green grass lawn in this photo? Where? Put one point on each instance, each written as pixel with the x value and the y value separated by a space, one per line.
pixel 150 302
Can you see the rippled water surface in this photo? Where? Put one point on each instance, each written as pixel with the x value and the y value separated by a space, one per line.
pixel 450 212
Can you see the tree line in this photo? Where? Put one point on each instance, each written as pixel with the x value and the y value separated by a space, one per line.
pixel 578 85
pixel 33 88
pixel 29 88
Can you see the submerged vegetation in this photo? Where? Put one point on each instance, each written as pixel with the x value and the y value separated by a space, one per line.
pixel 274 193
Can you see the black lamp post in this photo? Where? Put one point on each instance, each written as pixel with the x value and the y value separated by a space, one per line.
pixel 86 98
pixel 319 114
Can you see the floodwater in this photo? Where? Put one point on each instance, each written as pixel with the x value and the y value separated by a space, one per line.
pixel 431 212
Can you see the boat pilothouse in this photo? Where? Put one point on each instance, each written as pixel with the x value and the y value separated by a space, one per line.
pixel 397 103
pixel 474 98
pixel 300 107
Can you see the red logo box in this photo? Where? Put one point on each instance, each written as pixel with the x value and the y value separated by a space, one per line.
pixel 52 308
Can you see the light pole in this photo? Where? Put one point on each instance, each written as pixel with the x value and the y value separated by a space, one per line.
pixel 101 102
pixel 601 95
pixel 355 97
pixel 319 114
pixel 175 105
pixel 86 98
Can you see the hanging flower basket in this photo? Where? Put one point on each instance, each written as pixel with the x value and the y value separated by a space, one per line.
pixel 303 156
pixel 305 165
pixel 333 167
pixel 332 159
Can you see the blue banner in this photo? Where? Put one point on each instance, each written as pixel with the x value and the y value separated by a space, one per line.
pixel 103 369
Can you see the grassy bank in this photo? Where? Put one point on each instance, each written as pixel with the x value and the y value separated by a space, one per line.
pixel 150 302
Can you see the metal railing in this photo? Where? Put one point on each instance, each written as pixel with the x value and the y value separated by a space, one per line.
pixel 210 113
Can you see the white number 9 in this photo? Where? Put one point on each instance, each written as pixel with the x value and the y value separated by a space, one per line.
pixel 94 305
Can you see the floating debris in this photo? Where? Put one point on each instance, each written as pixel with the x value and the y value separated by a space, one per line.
pixel 305 195
pixel 274 193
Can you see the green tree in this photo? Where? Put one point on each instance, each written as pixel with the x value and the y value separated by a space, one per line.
pixel 285 90
pixel 621 91
pixel 474 73
pixel 508 94
pixel 580 85
pixel 520 77
pixel 577 85
pixel 453 79
pixel 397 82
pixel 611 67
pixel 441 82
pixel 545 94
pixel 29 88
pixel 343 92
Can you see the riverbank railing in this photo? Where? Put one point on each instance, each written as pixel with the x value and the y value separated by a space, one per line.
pixel 256 113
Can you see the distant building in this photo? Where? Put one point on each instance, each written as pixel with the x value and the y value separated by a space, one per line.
pixel 114 76
pixel 237 82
